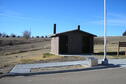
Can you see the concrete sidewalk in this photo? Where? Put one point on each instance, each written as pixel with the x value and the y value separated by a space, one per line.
pixel 25 68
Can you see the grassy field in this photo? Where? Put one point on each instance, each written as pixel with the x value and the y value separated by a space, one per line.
pixel 21 51
pixel 18 50
pixel 18 45
pixel 110 40
pixel 112 46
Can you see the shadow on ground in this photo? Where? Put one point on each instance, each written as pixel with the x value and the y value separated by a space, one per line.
pixel 110 53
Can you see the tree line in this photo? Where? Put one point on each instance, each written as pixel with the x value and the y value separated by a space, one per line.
pixel 26 34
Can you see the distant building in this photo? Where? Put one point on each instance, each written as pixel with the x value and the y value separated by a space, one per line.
pixel 72 42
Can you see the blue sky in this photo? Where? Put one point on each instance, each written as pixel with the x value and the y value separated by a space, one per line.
pixel 17 16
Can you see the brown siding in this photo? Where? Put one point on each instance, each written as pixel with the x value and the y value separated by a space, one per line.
pixel 91 44
pixel 75 45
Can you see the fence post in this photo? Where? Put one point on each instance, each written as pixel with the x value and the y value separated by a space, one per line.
pixel 118 49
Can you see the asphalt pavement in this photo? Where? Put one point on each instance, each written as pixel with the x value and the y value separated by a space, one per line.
pixel 102 76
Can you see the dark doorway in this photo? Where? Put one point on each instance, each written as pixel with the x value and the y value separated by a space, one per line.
pixel 85 44
pixel 63 44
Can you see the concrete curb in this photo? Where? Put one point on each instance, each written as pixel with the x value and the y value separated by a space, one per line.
pixel 62 71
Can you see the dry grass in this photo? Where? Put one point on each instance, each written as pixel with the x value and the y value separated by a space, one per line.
pixel 8 61
pixel 58 68
pixel 110 39
pixel 45 56
pixel 110 48
pixel 24 57
pixel 111 51
pixel 20 45
pixel 118 57
pixel 111 56
pixel 22 51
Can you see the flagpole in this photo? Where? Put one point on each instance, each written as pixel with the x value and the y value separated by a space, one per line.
pixel 105 60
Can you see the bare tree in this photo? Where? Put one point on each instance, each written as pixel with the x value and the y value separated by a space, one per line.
pixel 42 36
pixel 26 34
pixel 4 34
pixel 0 34
pixel 37 36
pixel 13 35
pixel 124 33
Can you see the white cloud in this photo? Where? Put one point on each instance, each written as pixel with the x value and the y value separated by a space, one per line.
pixel 117 15
pixel 118 22
pixel 113 19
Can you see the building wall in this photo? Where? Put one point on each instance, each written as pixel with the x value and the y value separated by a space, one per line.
pixel 75 42
pixel 92 44
pixel 55 45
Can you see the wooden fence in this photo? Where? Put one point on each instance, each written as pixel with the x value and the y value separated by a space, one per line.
pixel 121 44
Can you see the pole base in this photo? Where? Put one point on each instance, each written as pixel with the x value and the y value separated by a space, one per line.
pixel 105 61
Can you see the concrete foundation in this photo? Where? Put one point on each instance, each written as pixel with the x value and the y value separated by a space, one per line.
pixel 93 61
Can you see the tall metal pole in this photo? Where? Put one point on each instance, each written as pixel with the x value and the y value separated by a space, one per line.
pixel 105 28
pixel 105 60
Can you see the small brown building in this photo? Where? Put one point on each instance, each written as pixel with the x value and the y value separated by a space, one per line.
pixel 72 42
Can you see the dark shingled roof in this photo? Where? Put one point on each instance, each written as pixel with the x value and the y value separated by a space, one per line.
pixel 57 34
